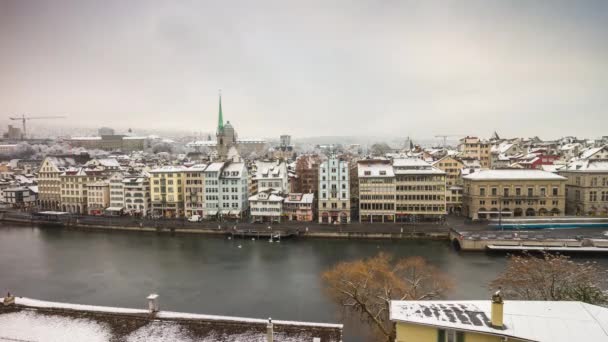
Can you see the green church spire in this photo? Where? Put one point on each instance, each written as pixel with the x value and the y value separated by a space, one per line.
pixel 220 119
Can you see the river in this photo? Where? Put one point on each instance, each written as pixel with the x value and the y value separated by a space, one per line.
pixel 196 273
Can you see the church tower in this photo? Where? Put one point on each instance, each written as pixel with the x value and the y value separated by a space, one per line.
pixel 226 136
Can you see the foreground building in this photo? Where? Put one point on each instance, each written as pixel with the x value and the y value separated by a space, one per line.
pixel 334 191
pixel 74 186
pixel 587 187
pixel 98 197
pixel 513 193
pixel 194 190
pixel 266 207
pixel 25 319
pixel 498 320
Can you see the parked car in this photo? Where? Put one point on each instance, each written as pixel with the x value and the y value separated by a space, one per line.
pixel 194 218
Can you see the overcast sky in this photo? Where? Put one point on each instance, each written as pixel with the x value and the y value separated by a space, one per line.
pixel 311 68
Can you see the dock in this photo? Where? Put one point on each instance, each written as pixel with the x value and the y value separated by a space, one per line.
pixel 562 250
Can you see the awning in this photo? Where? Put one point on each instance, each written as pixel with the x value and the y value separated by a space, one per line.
pixel 211 212
pixel 114 208
pixel 235 212
pixel 224 212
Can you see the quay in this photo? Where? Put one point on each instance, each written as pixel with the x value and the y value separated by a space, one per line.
pixel 551 240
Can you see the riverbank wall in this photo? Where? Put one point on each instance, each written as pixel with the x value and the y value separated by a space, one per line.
pixel 234 231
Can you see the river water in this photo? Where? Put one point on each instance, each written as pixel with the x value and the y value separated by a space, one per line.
pixel 201 274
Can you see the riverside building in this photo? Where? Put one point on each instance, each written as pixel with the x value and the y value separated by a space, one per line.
pixel 334 191
pixel 513 193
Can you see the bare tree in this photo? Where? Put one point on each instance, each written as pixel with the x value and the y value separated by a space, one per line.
pixel 552 277
pixel 366 287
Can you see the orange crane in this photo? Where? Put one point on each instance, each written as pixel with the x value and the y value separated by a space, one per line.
pixel 24 118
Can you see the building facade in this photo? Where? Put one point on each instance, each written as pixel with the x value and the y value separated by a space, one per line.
pixel 117 193
pixel 334 191
pixel 473 147
pixel 167 191
pixel 376 191
pixel 513 193
pixel 74 187
pixel 587 187
pixel 194 190
pixel 307 173
pixel 299 207
pixel 271 175
pixel 98 197
pixel 266 207
pixel 137 195
pixel 49 183
pixel 420 191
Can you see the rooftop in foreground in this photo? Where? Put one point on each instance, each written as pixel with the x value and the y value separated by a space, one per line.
pixel 35 320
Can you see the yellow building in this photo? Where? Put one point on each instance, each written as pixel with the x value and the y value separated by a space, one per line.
pixel 453 193
pixel 498 321
pixel 513 193
pixel 587 187
pixel 74 184
pixel 473 147
pixel 167 191
pixel 49 184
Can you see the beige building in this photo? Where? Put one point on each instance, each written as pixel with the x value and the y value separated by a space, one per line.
pixel 194 190
pixel 74 189
pixel 376 191
pixel 98 197
pixel 167 191
pixel 513 193
pixel 587 187
pixel 452 167
pixel 420 190
pixel 49 187
pixel 473 147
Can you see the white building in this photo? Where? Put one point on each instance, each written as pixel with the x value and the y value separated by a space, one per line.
pixel 334 191
pixel 117 199
pixel 266 207
pixel 212 189
pixel 137 195
pixel 234 192
pixel 271 175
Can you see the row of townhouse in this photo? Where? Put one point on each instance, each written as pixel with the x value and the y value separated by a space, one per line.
pixel 270 206
pixel 218 189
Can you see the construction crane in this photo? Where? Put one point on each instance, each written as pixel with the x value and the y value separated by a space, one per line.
pixel 445 137
pixel 24 118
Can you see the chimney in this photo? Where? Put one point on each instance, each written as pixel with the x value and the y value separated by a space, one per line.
pixel 9 299
pixel 153 303
pixel 497 313
pixel 269 331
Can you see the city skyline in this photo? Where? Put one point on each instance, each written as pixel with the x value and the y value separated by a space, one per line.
pixel 311 69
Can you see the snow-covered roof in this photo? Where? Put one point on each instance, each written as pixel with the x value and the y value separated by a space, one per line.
pixel 303 198
pixel 587 165
pixel 550 321
pixel 169 168
pixel 375 169
pixel 513 174
pixel 34 320
pixel 414 166
pixel 214 167
pixel 85 138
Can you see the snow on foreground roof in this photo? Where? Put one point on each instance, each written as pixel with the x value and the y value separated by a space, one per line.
pixel 513 174
pixel 35 320
pixel 550 321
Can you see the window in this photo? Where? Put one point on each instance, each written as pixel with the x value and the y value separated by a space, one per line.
pixel 517 191
pixel 543 192
pixel 494 191
pixel 593 196
pixel 482 191
pixel 555 191
pixel 530 192
pixel 505 192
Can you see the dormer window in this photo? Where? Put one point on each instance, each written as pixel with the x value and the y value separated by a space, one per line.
pixel 367 173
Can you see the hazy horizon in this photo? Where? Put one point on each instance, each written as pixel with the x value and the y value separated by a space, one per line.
pixel 310 69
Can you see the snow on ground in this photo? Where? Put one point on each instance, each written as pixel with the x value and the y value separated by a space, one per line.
pixel 159 332
pixel 31 326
